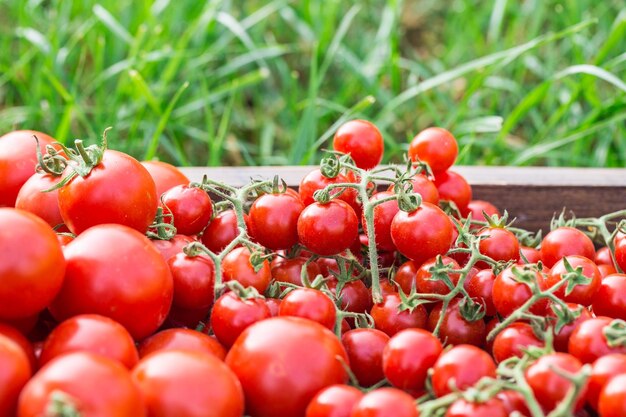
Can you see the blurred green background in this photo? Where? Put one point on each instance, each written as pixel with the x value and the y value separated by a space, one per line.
pixel 534 82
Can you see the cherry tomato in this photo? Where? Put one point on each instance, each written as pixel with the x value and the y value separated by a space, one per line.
pixel 18 337
pixel 406 276
pixel 461 367
pixel 169 248
pixel 606 270
pixel 424 278
pixel 231 315
pixel 290 270
pixel 96 262
pixel 274 220
pixel 236 266
pixel 602 371
pixel 385 402
pixel 456 329
pixel 561 339
pixel 500 245
pixel 565 241
pixel 383 216
pixel 620 253
pixel 612 402
pixel 489 408
pixel 389 319
pixel 222 230
pixel 194 281
pixel 95 386
pixel 603 256
pixel 610 299
pixel 310 359
pixel 422 234
pixel 365 353
pixel 454 187
pixel 424 187
pixel 529 255
pixel 165 176
pixel 190 207
pixel 581 294
pixel 513 340
pixel 478 208
pixel 588 342
pixel 354 296
pixel 33 199
pixel 509 294
pixel 328 229
pixel 435 146
pixel 310 304
pixel 479 286
pixel 362 141
pixel 181 339
pixel 407 358
pixel 32 265
pixel 334 401
pixel 314 181
pixel 513 401
pixel 15 371
pixel 91 333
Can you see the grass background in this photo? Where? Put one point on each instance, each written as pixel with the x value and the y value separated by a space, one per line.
pixel 267 82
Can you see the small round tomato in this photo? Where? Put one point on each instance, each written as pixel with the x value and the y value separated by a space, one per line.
pixel 290 270
pixel 588 341
pixel 407 358
pixel 354 296
pixel 222 230
pixel 383 216
pixel 454 187
pixel 490 408
pixel 549 387
pixel 424 278
pixel 182 339
pixel 513 401
pixel 480 288
pixel 236 266
pixel 509 294
pixel 274 220
pixel 18 337
pixel 314 181
pixel 362 141
pixel 610 299
pixel 620 253
pixel 500 245
pixel 513 340
pixel 334 401
pixel 95 386
pixel 581 293
pixel 529 255
pixel 194 281
pixel 385 402
pixel 456 329
pixel 231 315
pixel 165 176
pixel 389 319
pixel 435 146
pixel 478 208
pixel 190 207
pixel 565 241
pixel 328 229
pixel 603 256
pixel 169 248
pixel 308 356
pixel 424 187
pixel 90 333
pixel 188 384
pixel 561 339
pixel 15 372
pixel 612 402
pixel 406 276
pixel 423 233
pixel 365 353
pixel 602 371
pixel 310 304
pixel 33 199
pixel 461 367
pixel 32 265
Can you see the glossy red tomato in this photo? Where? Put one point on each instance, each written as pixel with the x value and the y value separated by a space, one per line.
pixel 32 265
pixel 165 175
pixel 513 340
pixel 231 315
pixel 489 408
pixel 588 341
pixel 191 208
pixel 606 270
pixel 274 220
pixel 383 216
pixel 362 140
pixel 406 276
pixel 478 208
pixel 97 261
pixel 33 199
pixel 461 367
pixel 222 230
pixel 389 319
pixel 310 359
pixel 479 286
pixel 454 187
pixel 194 281
pixel 455 329
pixel 422 234
pixel 509 294
pixel 620 253
pixel 561 339
pixel 314 181
pixel 549 387
pixel 500 245
pixel 385 402
pixel 79 376
pixel 424 278
pixel 236 266
pixel 612 402
pixel 529 255
pixel 118 190
pixel 18 158
pixel 513 401
pixel 603 256
pixel 435 146
pixel 354 296
pixel 602 371
pixel 290 270
pixel 15 371
pixel 169 248
pixel 581 293
pixel 18 337
pixel 424 187
pixel 610 299
pixel 407 358
pixel 328 229
pixel 90 333
pixel 310 304
pixel 565 241
pixel 365 353
pixel 334 401
pixel 188 384
pixel 182 339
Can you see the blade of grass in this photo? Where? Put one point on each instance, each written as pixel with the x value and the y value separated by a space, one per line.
pixel 154 142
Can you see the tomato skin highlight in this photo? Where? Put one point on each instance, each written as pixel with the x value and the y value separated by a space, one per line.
pixel 385 402
pixel 362 140
pixel 165 175
pixel 513 339
pixel 509 294
pixel 236 266
pixel 182 339
pixel 455 329
pixel 612 402
pixel 582 293
pixel 191 208
pixel 464 365
pixel 602 371
pixel 565 241
pixel 231 315
pixel 328 229
pixel 435 146
pixel 334 401
pixel 274 220
pixel 365 352
pixel 310 304
pixel 194 281
pixel 390 320
pixel 610 299
pixel 588 342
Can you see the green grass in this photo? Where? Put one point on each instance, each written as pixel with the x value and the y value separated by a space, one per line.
pixel 211 83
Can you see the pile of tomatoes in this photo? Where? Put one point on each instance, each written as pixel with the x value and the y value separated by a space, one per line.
pixel 127 290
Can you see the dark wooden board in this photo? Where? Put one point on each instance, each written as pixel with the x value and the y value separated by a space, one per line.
pixel 531 194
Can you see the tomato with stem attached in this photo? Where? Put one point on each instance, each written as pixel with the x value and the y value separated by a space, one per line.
pixel 390 319
pixel 191 208
pixel 310 304
pixel 365 353
pixel 362 141
pixel 328 229
pixel 610 299
pixel 237 266
pixel 231 315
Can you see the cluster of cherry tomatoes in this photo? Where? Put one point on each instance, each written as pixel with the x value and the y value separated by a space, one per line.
pixel 126 290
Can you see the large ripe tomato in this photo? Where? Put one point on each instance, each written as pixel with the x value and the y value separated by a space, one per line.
pixel 231 315
pixel 99 261
pixel 362 140
pixel 190 207
pixel 283 362
pixel 310 304
pixel 581 293
pixel 389 319
pixel 610 299
pixel 549 387
pixel 383 216
pixel 188 384
pixel 165 175
pixel 222 230
pixel 365 353
pixel 612 402
pixel 422 234
pixel 274 220
pixel 565 241
pixel 385 402
pixel 91 384
pixel 602 371
pixel 500 245
pixel 407 358
pixel 513 340
pixel 15 370
pixel 509 294
pixel 588 342
pixel 236 266
pixel 118 190
pixel 435 146
pixel 334 401
pixel 33 199
pixel 182 339
pixel 490 408
pixel 454 187
pixel 194 281
pixel 32 265
pixel 18 158
pixel 461 367
pixel 424 187
pixel 456 329
pixel 90 333
pixel 424 279
pixel 328 229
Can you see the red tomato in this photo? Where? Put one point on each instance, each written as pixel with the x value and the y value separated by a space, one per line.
pixel 165 175
pixel 181 339
pixel 274 220
pixel 96 262
pixel 424 278
pixel 406 276
pixel 334 401
pixel 31 198
pixel 94 385
pixel 620 253
pixel 15 371
pixel 603 256
pixel 489 408
pixel 290 270
pixel 581 294
pixel 231 315
pixel 328 229
pixel 588 342
pixel 602 371
pixel 424 187
pixel 529 255
pixel 314 181
pixel 383 216
pixel 310 304
pixel 310 359
pixel 18 337
pixel 612 401
pixel 362 141
pixel 435 146
pixel 236 266
pixel 385 402
pixel 461 367
pixel 610 299
pixel 407 358
pixel 91 333
pixel 479 286
pixel 500 245
pixel 222 230
pixel 18 158
pixel 565 241
pixel 194 281
pixel 454 187
pixel 606 270
pixel 365 353
pixel 191 208
pixel 354 296
pixel 32 264
pixel 422 234
pixel 513 401
pixel 169 248
pixel 477 207
pixel 561 339
pixel 549 387
pixel 513 340
pixel 118 190
pixel 509 294
pixel 389 319
pixel 455 329
pixel 188 384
